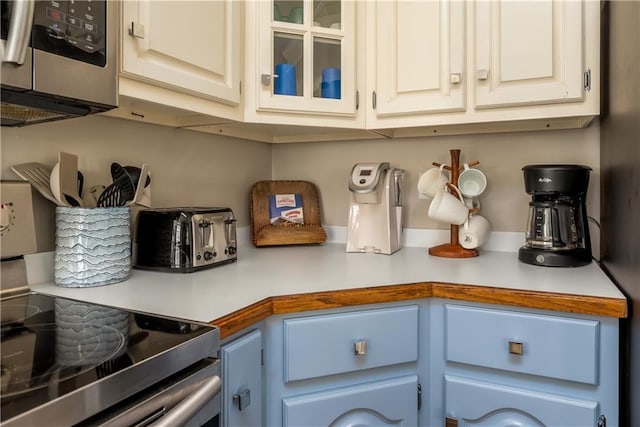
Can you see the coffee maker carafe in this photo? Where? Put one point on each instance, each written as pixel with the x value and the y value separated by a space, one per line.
pixel 375 208
pixel 557 233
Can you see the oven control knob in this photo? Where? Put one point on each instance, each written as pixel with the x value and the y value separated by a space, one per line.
pixel 208 256
pixel 232 250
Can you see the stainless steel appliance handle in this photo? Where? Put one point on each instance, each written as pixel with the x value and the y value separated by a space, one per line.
pixel 205 391
pixel 19 35
pixel 182 405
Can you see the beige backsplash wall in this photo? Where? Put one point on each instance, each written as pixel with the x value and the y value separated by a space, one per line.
pixel 192 168
pixel 501 157
pixel 188 168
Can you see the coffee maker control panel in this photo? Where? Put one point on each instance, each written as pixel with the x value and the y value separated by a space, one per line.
pixel 365 177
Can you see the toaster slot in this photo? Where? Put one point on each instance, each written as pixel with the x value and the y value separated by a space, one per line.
pixel 206 234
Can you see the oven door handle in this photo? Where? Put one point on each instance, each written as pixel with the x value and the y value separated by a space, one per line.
pixel 15 48
pixel 170 409
pixel 199 394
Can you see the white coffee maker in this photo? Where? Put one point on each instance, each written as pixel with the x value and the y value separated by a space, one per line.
pixel 375 208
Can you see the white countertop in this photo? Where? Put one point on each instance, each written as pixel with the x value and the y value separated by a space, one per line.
pixel 264 272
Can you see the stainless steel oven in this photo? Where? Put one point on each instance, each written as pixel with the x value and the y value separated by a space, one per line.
pixel 70 363
pixel 59 59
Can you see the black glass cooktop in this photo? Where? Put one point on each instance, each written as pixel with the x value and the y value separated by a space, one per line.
pixel 55 349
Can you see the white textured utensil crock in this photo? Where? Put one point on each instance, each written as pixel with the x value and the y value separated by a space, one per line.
pixel 93 246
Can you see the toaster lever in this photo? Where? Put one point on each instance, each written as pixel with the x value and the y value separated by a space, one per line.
pixel 206 234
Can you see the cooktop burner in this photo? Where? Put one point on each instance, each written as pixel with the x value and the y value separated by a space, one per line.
pixel 56 348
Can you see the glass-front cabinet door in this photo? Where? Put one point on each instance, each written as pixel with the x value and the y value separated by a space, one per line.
pixel 306 52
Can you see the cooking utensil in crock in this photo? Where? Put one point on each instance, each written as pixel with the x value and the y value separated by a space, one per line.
pixel 143 180
pixel 91 196
pixel 38 175
pixel 54 181
pixel 80 183
pixel 68 176
pixel 117 193
pixel 135 173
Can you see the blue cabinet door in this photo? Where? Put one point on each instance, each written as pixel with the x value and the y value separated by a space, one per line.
pixel 476 403
pixel 392 402
pixel 242 381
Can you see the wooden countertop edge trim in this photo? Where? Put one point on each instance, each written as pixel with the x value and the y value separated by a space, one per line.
pixel 247 316
pixel 570 303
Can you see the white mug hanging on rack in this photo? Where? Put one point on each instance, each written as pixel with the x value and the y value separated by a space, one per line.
pixel 472 182
pixel 449 208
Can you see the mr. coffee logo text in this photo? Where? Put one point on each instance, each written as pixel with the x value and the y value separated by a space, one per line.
pixel 544 180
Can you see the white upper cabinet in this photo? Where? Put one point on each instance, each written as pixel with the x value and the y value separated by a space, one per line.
pixel 420 57
pixel 192 47
pixel 451 66
pixel 528 52
pixel 301 58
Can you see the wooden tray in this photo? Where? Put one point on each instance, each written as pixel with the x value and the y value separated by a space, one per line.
pixel 264 233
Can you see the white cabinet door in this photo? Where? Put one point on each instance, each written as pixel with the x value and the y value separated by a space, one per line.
pixel 420 56
pixel 188 46
pixel 242 381
pixel 305 53
pixel 528 52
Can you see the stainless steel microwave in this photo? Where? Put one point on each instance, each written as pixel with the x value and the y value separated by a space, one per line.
pixel 59 59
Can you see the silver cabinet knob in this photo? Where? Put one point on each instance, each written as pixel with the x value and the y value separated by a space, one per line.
pixel 242 400
pixel 136 30
pixel 360 348
pixel 265 79
pixel 516 348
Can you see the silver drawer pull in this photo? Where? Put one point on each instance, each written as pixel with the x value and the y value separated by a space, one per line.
pixel 242 400
pixel 516 348
pixel 360 348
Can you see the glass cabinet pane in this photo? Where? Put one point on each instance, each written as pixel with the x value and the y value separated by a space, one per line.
pixel 288 64
pixel 326 68
pixel 289 11
pixel 327 14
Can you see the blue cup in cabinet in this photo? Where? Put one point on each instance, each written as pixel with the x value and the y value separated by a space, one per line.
pixel 330 87
pixel 330 74
pixel 285 79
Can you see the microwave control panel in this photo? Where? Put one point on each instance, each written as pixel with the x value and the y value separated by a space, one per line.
pixel 75 29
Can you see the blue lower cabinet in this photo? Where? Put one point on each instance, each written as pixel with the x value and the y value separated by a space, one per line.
pixel 476 403
pixel 242 381
pixel 379 403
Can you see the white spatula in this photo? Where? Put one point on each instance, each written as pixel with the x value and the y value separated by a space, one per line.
pixel 38 176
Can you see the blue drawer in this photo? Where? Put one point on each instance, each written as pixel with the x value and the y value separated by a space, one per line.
pixel 325 345
pixel 550 346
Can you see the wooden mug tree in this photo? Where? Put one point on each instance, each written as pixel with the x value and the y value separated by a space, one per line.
pixel 453 248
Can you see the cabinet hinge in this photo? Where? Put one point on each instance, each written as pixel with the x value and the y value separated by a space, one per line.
pixel 374 99
pixel 587 80
pixel 136 30
pixel 240 85
pixel 357 100
pixel 419 396
pixel 262 357
pixel 602 421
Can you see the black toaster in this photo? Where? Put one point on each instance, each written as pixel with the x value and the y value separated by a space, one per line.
pixel 184 240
